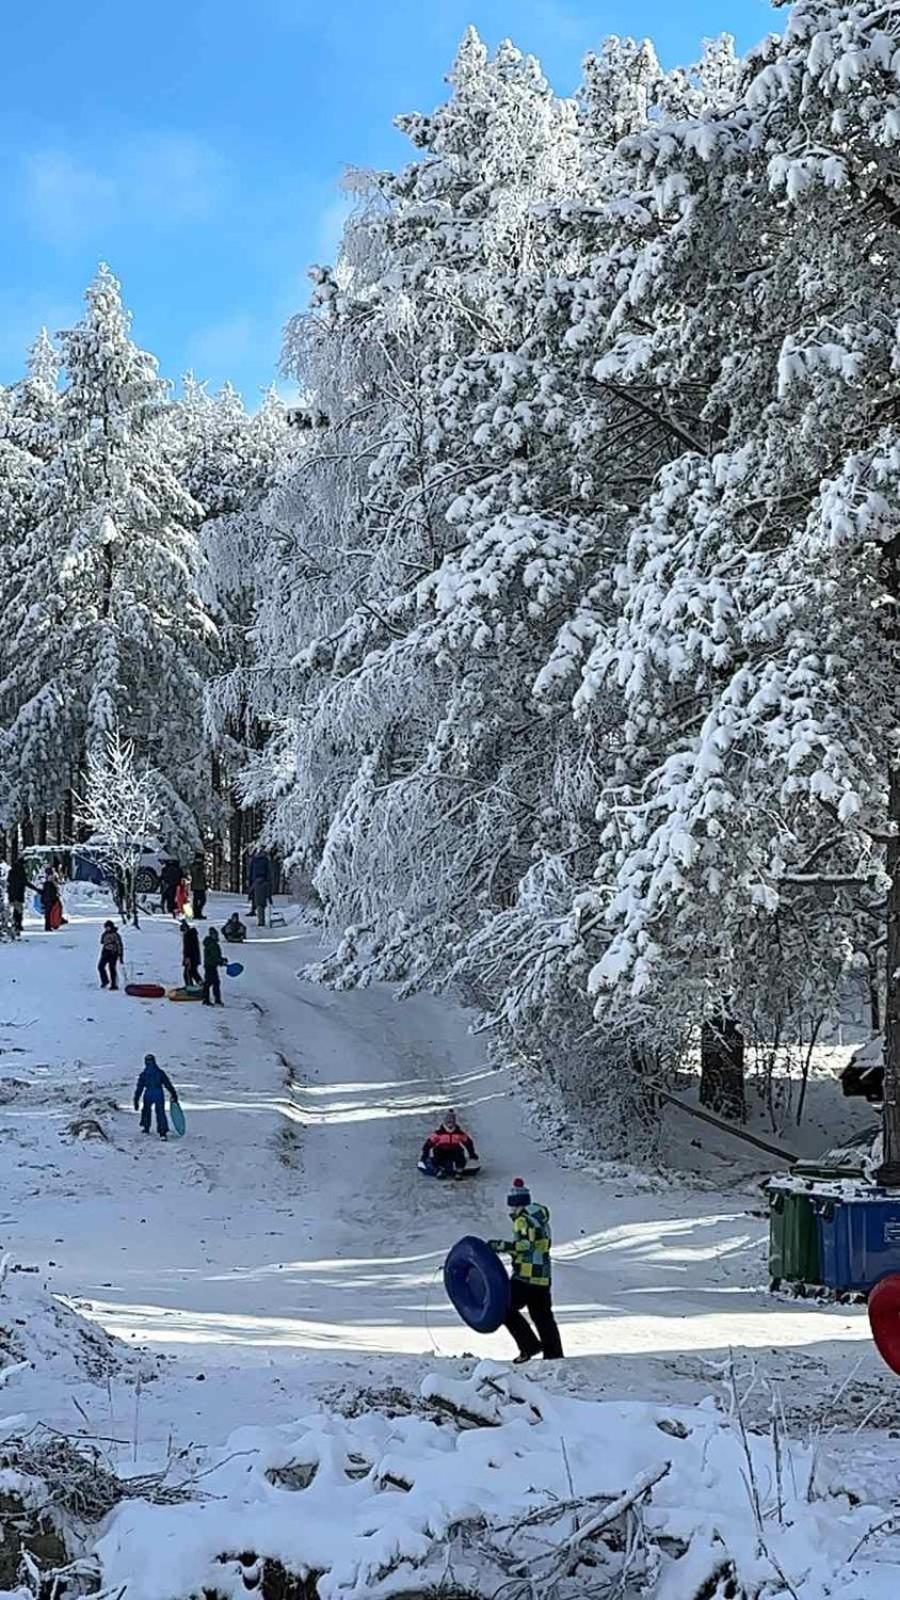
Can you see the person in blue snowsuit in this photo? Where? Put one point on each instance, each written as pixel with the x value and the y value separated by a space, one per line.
pixel 152 1084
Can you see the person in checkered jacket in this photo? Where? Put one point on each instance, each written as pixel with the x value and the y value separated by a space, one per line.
pixel 531 1287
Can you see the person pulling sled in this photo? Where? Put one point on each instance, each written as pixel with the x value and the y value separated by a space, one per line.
pixel 152 1085
pixel 449 1151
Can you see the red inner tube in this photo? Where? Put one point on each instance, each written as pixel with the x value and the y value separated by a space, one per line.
pixel 146 991
pixel 884 1319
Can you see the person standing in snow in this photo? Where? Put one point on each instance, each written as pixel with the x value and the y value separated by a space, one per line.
pixel 198 885
pixel 181 897
pixel 190 956
pixel 169 879
pixel 112 951
pixel 213 959
pixel 49 898
pixel 259 877
pixel 152 1084
pixel 530 1289
pixel 16 885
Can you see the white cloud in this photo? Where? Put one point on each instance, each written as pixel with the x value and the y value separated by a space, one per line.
pixel 160 179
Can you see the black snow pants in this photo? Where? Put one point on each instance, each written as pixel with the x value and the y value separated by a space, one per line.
pixel 157 1104
pixel 537 1300
pixel 107 967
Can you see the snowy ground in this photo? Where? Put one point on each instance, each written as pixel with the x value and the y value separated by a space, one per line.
pixel 287 1249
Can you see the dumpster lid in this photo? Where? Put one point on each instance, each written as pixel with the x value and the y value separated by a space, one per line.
pixel 857 1158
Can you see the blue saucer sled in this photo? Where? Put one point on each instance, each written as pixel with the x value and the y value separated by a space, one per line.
pixel 477 1285
pixel 177 1118
pixel 234 969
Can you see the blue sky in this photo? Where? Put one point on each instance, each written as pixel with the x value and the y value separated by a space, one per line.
pixel 198 145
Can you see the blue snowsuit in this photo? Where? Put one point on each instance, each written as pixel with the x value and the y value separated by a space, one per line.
pixel 153 1083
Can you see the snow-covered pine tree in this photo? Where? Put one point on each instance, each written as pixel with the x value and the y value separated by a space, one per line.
pixel 755 657
pixel 231 461
pixel 28 437
pixel 116 630
pixel 421 320
pixel 463 475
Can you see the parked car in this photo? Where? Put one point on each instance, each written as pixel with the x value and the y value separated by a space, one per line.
pixel 150 861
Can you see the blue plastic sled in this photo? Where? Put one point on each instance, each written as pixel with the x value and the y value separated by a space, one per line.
pixel 477 1284
pixel 37 905
pixel 234 969
pixel 177 1116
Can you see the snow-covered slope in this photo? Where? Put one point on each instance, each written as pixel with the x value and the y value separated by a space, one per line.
pixel 291 1223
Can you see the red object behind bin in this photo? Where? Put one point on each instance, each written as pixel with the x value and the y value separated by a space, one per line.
pixel 884 1319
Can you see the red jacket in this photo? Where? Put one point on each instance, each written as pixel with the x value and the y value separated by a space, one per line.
pixel 448 1139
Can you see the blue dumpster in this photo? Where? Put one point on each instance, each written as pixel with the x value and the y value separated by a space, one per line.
pixel 859 1239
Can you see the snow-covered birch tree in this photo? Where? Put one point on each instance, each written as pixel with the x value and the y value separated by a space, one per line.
pixel 120 808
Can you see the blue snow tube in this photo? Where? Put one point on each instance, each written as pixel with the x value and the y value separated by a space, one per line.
pixel 477 1284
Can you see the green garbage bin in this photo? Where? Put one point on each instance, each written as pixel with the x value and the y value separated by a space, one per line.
pixel 851 1160
pixel 794 1256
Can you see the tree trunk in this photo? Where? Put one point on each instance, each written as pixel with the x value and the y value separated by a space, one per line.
pixel 874 993
pixel 889 1175
pixel 722 1068
pixel 236 847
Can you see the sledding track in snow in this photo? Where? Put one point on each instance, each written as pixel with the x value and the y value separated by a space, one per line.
pixel 291 1223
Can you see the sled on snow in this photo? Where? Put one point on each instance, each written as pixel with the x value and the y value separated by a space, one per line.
pixel 176 1117
pixel 145 991
pixel 185 993
pixel 429 1170
pixel 477 1284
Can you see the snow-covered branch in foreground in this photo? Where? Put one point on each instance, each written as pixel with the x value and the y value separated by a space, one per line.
pixel 508 1490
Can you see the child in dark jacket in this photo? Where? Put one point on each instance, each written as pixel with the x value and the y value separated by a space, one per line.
pixel 152 1084
pixel 49 898
pixel 190 955
pixel 112 951
pixel 213 959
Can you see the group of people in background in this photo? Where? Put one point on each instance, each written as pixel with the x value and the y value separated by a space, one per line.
pixel 47 892
pixel 183 895
pixel 179 889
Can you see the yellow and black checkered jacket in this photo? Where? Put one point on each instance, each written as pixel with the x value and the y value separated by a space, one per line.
pixel 530 1248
